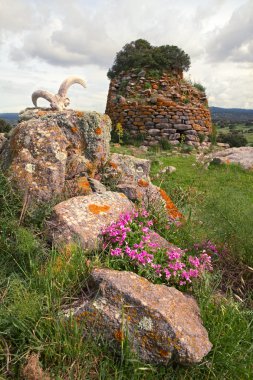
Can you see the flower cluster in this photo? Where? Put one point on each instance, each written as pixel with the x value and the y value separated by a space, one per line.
pixel 132 242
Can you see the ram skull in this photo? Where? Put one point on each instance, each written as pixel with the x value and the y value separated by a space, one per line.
pixel 58 101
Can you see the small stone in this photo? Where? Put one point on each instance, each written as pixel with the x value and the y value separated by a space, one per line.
pixel 153 132
pixel 182 127
pixel 143 148
pixel 174 142
pixel 168 170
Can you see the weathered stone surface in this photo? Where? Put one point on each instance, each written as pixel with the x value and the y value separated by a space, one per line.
pixel 153 132
pixel 82 219
pixel 97 186
pixel 242 156
pixel 161 323
pixel 182 127
pixel 130 175
pixel 174 142
pixel 223 145
pixel 191 138
pixel 131 168
pixel 49 147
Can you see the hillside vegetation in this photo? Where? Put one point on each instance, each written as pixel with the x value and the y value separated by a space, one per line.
pixel 37 281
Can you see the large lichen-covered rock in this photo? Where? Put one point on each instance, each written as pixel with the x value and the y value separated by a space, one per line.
pixel 160 322
pixel 49 148
pixel 82 219
pixel 242 156
pixel 130 175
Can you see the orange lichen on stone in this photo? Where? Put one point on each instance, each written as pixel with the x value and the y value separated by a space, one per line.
pixel 41 113
pixel 171 208
pixel 97 209
pixel 85 315
pixel 83 183
pixel 98 131
pixel 164 353
pixel 143 183
pixel 79 113
pixel 91 168
pixel 119 335
pixel 74 129
pixel 113 165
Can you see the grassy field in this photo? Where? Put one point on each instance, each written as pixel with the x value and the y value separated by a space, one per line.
pixel 35 282
pixel 246 130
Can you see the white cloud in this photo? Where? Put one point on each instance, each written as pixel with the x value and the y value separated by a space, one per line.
pixel 234 41
pixel 42 42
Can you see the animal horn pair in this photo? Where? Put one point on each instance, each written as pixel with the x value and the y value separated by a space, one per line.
pixel 60 100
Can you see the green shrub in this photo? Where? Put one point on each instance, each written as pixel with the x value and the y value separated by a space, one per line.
pixel 147 85
pixel 154 73
pixel 165 144
pixel 234 139
pixel 184 148
pixel 4 126
pixel 201 137
pixel 213 135
pixel 141 54
pixel 199 86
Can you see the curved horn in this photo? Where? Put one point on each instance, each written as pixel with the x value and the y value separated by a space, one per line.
pixel 67 83
pixel 42 94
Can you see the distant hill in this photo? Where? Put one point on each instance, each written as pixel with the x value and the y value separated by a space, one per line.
pixel 227 115
pixel 231 115
pixel 11 118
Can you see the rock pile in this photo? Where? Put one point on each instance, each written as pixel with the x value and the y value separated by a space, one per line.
pixel 168 108
pixel 66 153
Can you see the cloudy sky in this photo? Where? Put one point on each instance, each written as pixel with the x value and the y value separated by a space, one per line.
pixel 44 41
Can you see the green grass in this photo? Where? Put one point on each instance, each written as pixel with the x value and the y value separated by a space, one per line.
pixel 36 281
pixel 219 197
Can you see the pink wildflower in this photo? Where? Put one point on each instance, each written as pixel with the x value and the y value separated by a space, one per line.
pixel 167 273
pixel 194 261
pixel 116 252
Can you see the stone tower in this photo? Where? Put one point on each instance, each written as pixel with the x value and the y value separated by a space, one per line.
pixel 158 107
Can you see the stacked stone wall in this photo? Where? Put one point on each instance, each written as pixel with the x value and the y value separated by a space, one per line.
pixel 169 108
